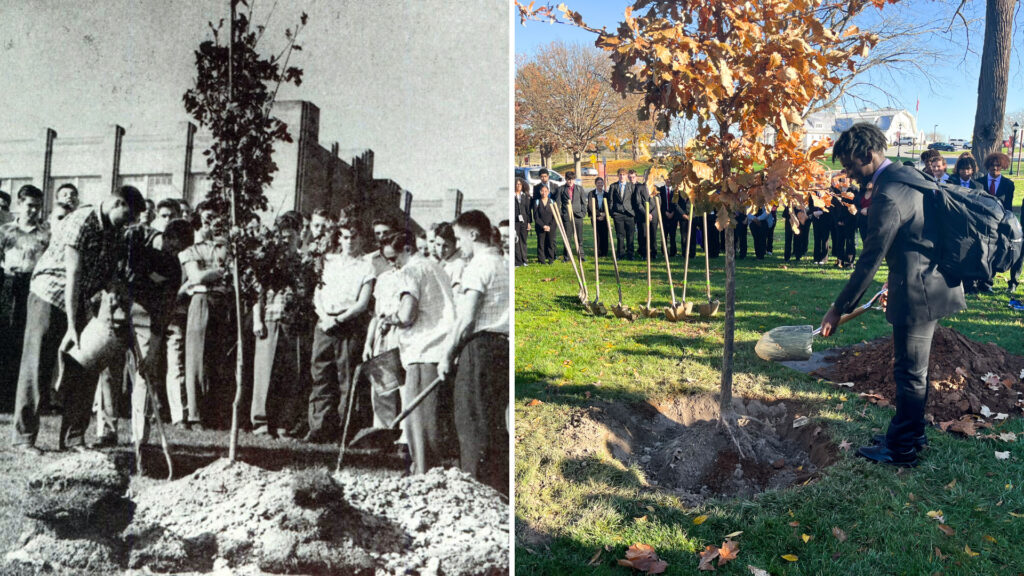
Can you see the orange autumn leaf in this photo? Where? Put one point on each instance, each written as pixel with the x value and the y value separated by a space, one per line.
pixel 707 557
pixel 642 557
pixel 728 551
pixel 534 402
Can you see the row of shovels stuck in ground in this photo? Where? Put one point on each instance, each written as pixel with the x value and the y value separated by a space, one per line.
pixel 677 311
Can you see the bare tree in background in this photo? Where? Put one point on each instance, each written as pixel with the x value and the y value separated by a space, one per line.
pixel 565 97
pixel 993 78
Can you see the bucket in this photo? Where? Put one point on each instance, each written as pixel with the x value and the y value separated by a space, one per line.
pixel 99 344
pixel 384 371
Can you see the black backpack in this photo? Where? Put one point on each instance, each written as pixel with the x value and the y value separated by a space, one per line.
pixel 978 236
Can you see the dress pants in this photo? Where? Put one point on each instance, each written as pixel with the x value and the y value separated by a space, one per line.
pixel 602 237
pixel 911 347
pixel 574 232
pixel 43 336
pixel 14 290
pixel 771 230
pixel 175 379
pixel 112 383
pixel 671 224
pixel 277 378
pixel 209 366
pixel 545 246
pixel 795 244
pixel 481 398
pixel 759 230
pixel 645 235
pixel 520 244
pixel 844 245
pixel 625 231
pixel 430 428
pixel 334 358
pixel 739 238
pixel 822 231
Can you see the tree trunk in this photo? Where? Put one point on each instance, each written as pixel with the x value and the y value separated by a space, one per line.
pixel 632 145
pixel 617 148
pixel 725 400
pixel 993 79
pixel 577 158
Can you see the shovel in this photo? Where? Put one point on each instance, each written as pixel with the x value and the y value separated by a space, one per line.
pixel 378 438
pixel 619 310
pixel 576 242
pixel 794 342
pixel 646 311
pixel 678 310
pixel 710 308
pixel 583 296
pixel 596 306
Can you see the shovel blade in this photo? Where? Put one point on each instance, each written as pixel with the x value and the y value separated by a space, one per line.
pixel 786 343
pixel 375 438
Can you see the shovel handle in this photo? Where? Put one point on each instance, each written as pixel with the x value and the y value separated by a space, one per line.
pixel 707 262
pixel 664 250
pixel 597 268
pixel 416 402
pixel 568 248
pixel 856 311
pixel 647 242
pixel 611 244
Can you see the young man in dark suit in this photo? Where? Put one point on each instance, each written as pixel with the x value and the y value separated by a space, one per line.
pixel 599 195
pixel 902 230
pixel 643 221
pixel 1002 188
pixel 572 197
pixel 544 222
pixel 524 215
pixel 621 194
pixel 670 218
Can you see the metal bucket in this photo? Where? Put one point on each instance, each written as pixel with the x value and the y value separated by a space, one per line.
pixel 99 344
pixel 384 371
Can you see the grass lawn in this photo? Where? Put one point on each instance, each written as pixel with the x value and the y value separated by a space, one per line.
pixel 577 515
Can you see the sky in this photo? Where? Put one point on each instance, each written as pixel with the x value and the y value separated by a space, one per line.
pixel 950 101
pixel 388 75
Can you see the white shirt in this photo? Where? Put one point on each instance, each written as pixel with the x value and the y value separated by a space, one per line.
pixel 423 341
pixel 343 278
pixel 487 273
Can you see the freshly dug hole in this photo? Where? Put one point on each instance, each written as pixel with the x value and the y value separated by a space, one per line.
pixel 683 448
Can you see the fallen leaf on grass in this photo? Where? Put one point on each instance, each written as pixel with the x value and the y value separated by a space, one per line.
pixel 700 520
pixel 595 557
pixel 970 552
pixel 985 411
pixel 733 535
pixel 534 402
pixel 643 558
pixel 936 515
pixel 806 538
pixel 790 557
pixel 1003 455
pixel 946 530
pixel 874 398
pixel 951 484
pixel 755 571
pixel 991 380
pixel 707 557
pixel 1001 416
pixel 794 523
pixel 641 519
pixel 939 554
pixel 728 552
pixel 988 538
pixel 845 384
pixel 966 425
pixel 845 445
pixel 566 362
pixel 839 534
pixel 1016 515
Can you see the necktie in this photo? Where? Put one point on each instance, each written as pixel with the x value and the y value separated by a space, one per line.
pixel 570 192
pixel 992 186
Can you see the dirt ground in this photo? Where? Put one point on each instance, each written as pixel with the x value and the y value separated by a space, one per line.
pixel 287 515
pixel 682 447
pixel 965 377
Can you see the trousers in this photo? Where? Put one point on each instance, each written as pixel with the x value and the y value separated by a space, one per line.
pixel 481 399
pixel 911 348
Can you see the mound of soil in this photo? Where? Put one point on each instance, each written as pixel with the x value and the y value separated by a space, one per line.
pixel 957 371
pixel 683 448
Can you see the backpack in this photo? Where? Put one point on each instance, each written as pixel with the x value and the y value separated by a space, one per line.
pixel 978 236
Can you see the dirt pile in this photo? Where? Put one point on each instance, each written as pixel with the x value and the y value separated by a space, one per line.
pixel 966 377
pixel 682 447
pixel 76 508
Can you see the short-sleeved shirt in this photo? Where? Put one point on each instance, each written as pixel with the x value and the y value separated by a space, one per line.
pixel 423 341
pixel 343 278
pixel 487 274
pixel 277 303
pixel 453 267
pixel 387 294
pixel 207 254
pixel 100 246
pixel 380 265
pixel 20 248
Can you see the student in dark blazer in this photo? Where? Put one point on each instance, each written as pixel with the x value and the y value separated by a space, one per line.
pixel 545 180
pixel 544 223
pixel 670 217
pixel 964 172
pixel 641 200
pixel 902 231
pixel 844 222
pixel 623 217
pixel 524 215
pixel 572 196
pixel 601 198
pixel 995 184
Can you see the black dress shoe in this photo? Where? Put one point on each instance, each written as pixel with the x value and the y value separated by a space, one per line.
pixel 104 442
pixel 919 443
pixel 883 455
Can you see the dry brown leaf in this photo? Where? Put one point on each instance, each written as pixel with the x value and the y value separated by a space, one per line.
pixel 728 552
pixel 845 445
pixel 641 518
pixel 988 538
pixel 642 557
pixel 755 571
pixel 707 557
pixel 839 534
pixel 794 523
pixel 534 402
pixel 593 559
pixel 946 530
pixel 939 554
pixel 951 484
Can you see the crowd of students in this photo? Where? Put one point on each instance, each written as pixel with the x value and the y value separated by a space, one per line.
pixel 833 219
pixel 102 300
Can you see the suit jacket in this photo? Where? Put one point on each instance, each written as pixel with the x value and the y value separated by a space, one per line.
pixel 524 215
pixel 902 229
pixel 599 206
pixel 542 216
pixel 622 199
pixel 639 199
pixel 974 185
pixel 1004 192
pixel 578 202
pixel 669 209
pixel 552 191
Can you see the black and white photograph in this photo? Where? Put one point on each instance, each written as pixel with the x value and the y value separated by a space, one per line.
pixel 255 299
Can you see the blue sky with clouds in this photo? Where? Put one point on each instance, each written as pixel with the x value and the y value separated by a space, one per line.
pixel 950 101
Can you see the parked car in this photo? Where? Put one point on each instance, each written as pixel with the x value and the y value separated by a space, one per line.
pixel 942 146
pixel 589 171
pixel 532 176
pixel 904 141
pixel 958 143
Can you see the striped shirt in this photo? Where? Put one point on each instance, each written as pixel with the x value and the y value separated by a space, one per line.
pixel 423 341
pixel 487 273
pixel 100 247
pixel 20 248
